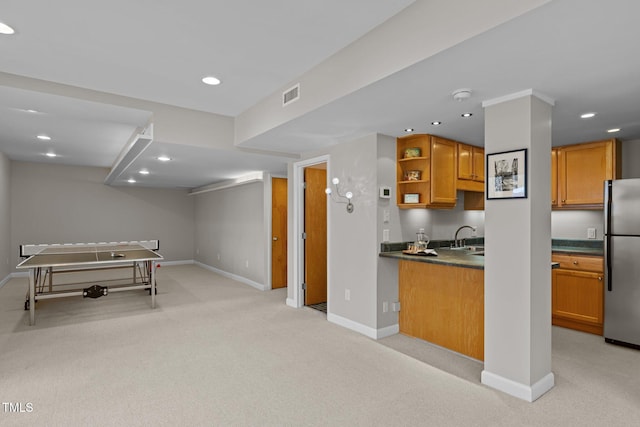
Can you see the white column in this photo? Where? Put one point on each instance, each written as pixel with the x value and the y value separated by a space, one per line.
pixel 517 275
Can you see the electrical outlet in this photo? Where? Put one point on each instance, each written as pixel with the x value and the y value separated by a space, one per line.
pixel 395 306
pixel 347 295
pixel 246 263
pixel 591 233
pixel 385 216
pixel 198 251
pixel 385 307
pixel 218 257
pixel 385 235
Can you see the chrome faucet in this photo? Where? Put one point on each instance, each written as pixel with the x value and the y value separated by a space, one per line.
pixel 456 242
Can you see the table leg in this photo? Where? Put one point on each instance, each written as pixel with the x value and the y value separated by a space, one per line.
pixel 152 277
pixel 32 296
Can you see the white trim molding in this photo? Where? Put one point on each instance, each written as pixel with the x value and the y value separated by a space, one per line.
pixel 259 286
pixel 516 95
pixel 522 391
pixel 368 331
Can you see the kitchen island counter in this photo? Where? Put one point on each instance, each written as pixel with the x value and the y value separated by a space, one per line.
pixel 452 257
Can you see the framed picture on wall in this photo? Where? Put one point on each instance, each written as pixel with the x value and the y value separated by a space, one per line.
pixel 507 175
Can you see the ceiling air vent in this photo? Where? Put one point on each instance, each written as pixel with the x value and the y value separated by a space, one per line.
pixel 291 95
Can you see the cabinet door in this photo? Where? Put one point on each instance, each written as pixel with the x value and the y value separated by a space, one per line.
pixel 478 164
pixel 443 171
pixel 465 161
pixel 583 168
pixel 470 162
pixel 577 296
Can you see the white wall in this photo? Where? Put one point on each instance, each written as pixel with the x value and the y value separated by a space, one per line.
pixel 5 217
pixel 70 204
pixel 387 290
pixel 441 224
pixel 230 231
pixel 352 242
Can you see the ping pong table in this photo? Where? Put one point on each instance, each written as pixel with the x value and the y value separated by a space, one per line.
pixel 46 260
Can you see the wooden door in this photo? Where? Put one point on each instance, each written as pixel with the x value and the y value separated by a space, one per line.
pixel 443 171
pixel 278 233
pixel 315 227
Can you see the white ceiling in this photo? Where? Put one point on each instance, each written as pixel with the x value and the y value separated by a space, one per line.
pixel 581 54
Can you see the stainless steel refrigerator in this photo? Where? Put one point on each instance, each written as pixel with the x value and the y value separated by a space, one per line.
pixel 622 262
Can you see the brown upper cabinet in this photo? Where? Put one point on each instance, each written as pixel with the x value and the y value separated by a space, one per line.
pixel 470 168
pixel 581 172
pixel 426 172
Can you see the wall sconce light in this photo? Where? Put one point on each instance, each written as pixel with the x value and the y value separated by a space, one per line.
pixel 339 197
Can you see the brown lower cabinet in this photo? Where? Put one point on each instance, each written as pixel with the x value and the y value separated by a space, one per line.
pixel 577 293
pixel 443 305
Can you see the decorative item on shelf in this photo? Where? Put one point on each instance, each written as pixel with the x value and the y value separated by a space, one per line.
pixel 412 152
pixel 414 175
pixel 412 198
pixel 338 197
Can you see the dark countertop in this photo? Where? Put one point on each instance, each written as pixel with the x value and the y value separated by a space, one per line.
pixel 456 258
pixel 467 259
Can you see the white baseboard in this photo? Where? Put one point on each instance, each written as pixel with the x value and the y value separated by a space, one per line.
pixel 182 262
pixel 363 329
pixel 291 303
pixel 5 280
pixel 241 279
pixel 522 391
pixel 388 331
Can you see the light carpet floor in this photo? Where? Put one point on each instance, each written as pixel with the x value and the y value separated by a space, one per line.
pixel 216 352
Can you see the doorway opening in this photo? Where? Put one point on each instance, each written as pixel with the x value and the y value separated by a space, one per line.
pixel 310 285
pixel 315 237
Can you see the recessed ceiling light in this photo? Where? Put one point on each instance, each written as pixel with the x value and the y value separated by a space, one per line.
pixel 44 137
pixel 614 130
pixel 436 123
pixel 164 158
pixel 467 114
pixel 408 130
pixel 51 155
pixel 143 172
pixel 210 80
pixel 587 115
pixel 5 29
pixel 131 181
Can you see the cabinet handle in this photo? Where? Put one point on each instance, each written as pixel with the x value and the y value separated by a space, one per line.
pixel 575 262
pixel 600 278
pixel 563 200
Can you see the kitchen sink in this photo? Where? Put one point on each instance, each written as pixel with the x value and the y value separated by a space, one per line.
pixel 469 248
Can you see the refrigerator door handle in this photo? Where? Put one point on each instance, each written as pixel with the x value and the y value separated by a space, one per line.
pixel 608 189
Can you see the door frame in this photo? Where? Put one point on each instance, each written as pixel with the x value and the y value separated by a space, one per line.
pixel 297 252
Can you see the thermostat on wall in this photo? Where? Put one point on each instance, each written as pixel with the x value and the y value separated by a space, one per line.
pixel 385 192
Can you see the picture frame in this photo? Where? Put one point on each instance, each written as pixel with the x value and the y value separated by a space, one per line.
pixel 412 198
pixel 507 175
